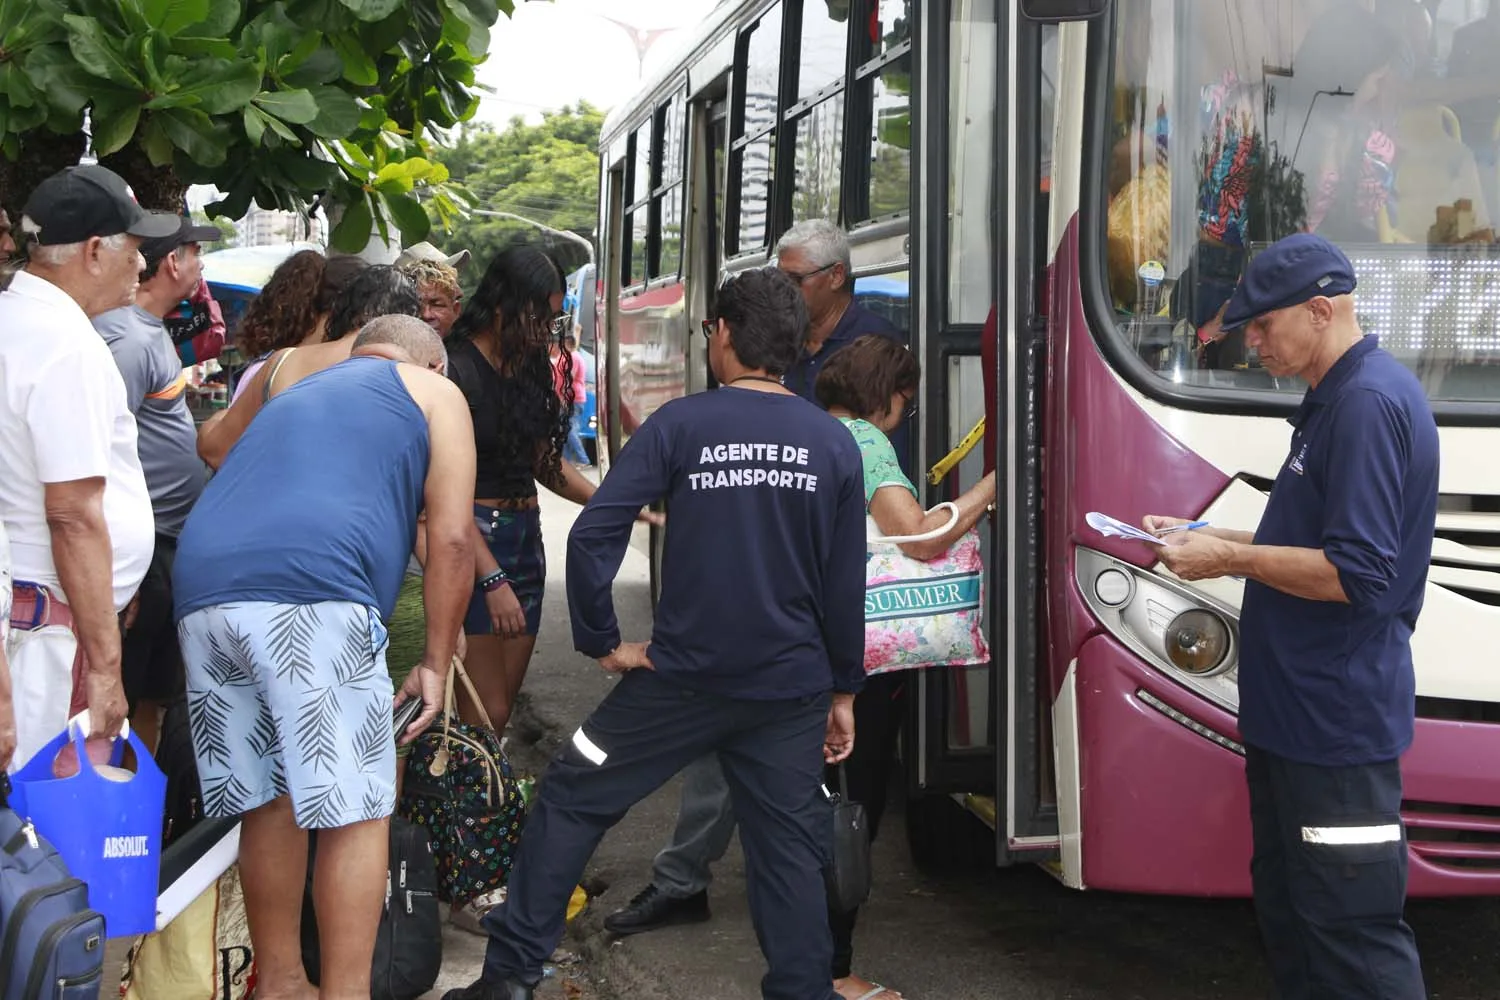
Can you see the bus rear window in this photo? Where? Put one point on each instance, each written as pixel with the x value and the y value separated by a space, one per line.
pixel 1235 124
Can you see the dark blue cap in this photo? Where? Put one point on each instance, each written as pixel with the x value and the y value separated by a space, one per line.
pixel 1288 273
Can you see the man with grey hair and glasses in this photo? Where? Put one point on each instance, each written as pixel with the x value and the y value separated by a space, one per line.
pixel 73 500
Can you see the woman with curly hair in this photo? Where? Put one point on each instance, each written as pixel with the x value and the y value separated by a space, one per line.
pixel 498 355
pixel 292 308
pixel 377 290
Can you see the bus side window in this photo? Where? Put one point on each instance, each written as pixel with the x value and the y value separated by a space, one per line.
pixel 637 222
pixel 753 156
pixel 666 212
pixel 880 117
pixel 818 130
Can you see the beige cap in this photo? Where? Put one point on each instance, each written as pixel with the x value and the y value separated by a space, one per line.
pixel 426 251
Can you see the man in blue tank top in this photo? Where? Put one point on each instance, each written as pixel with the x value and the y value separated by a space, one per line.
pixel 756 653
pixel 287 569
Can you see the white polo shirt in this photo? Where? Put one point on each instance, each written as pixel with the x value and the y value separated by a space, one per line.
pixel 63 418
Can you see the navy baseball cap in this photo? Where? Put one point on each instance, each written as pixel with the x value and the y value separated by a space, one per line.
pixel 185 232
pixel 81 202
pixel 1288 273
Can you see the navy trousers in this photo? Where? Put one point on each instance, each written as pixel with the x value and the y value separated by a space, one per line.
pixel 646 730
pixel 1329 875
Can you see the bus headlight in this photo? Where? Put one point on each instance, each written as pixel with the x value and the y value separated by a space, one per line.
pixel 1197 641
pixel 1186 634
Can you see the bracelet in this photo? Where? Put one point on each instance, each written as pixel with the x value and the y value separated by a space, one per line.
pixel 494 581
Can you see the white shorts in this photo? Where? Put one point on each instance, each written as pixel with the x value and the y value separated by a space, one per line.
pixel 41 681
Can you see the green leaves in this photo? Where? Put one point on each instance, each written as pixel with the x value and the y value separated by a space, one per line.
pixel 372 10
pixel 359 68
pixel 279 102
pixel 99 54
pixel 112 130
pixel 354 229
pixel 172 16
pixel 295 106
pixel 410 217
pixel 338 115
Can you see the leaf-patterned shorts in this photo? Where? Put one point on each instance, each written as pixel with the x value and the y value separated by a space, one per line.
pixel 291 699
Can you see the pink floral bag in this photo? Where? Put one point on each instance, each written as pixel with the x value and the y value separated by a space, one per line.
pixel 923 613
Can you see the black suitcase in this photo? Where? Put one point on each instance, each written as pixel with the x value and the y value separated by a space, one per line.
pixel 409 943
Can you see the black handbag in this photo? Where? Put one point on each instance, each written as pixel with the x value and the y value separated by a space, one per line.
pixel 848 877
pixel 409 942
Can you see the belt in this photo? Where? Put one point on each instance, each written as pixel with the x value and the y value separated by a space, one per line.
pixel 33 607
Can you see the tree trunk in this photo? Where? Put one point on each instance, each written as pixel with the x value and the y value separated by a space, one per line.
pixel 156 188
pixel 42 155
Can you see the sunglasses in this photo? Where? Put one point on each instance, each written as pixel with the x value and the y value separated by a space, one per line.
pixel 799 278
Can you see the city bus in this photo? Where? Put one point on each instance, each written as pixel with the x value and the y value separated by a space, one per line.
pixel 1091 176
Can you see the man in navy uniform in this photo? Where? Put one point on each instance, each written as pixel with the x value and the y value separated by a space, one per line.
pixel 815 255
pixel 761 616
pixel 1334 579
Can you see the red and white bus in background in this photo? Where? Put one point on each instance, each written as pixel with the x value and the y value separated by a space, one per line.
pixel 1095 172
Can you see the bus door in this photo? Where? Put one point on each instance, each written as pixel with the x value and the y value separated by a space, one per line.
pixel 981 744
pixel 613 249
pixel 709 116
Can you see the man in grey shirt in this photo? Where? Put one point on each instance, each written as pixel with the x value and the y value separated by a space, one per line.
pixel 155 391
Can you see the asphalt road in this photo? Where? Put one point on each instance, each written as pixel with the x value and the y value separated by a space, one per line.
pixel 1012 934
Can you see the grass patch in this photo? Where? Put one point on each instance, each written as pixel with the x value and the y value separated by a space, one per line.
pixel 408 629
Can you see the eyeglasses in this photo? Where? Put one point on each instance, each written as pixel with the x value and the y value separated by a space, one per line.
pixel 708 326
pixel 556 326
pixel 800 278
pixel 909 411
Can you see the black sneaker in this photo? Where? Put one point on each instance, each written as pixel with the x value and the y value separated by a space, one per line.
pixel 482 989
pixel 651 908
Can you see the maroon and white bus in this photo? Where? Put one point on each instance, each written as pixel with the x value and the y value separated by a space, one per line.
pixel 1094 173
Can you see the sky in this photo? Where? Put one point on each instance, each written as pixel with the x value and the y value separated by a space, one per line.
pixel 555 53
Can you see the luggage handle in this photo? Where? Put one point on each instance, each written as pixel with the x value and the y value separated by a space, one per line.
pixel 82 721
pixel 78 729
pixel 439 763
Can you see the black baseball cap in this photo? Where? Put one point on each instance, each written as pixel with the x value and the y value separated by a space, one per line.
pixel 81 202
pixel 187 232
pixel 1288 273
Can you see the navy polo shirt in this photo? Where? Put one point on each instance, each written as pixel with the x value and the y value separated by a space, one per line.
pixel 802 377
pixel 1328 683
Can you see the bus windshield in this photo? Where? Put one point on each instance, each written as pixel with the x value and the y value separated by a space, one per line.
pixel 1371 122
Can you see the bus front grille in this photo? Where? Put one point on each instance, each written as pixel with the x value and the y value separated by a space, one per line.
pixel 1454 835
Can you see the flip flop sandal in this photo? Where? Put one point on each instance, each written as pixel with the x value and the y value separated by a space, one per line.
pixel 877 991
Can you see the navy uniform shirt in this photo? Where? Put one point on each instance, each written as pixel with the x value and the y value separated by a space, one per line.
pixel 1328 683
pixel 802 377
pixel 763 564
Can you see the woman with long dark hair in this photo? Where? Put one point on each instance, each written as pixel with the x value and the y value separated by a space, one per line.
pixel 498 354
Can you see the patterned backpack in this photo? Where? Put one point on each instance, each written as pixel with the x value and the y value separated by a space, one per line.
pixel 460 787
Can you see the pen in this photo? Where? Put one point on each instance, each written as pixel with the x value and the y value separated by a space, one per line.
pixel 1182 527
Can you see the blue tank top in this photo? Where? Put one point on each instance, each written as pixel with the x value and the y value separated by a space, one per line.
pixel 318 501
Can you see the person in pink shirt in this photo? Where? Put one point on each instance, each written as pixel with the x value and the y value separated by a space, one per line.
pixel 566 371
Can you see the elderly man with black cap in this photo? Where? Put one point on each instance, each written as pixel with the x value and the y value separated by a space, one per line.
pixel 155 393
pixel 1334 579
pixel 73 499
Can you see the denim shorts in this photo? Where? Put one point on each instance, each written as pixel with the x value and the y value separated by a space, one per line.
pixel 515 540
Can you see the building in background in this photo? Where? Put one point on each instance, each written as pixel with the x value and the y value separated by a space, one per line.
pixel 261 227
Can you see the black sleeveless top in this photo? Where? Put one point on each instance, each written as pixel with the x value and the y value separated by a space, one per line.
pixel 497 475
